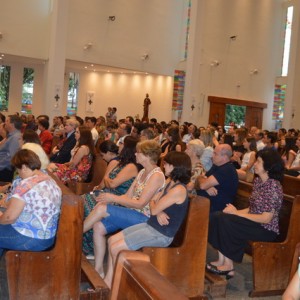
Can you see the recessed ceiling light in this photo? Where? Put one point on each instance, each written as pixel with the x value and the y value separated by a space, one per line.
pixel 92 65
pixel 85 67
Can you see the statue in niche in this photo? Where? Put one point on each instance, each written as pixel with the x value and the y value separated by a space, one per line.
pixel 147 102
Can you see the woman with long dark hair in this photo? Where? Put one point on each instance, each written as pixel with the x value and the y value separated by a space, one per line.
pixel 78 168
pixel 120 174
pixel 168 210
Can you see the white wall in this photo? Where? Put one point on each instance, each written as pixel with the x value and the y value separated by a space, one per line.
pixel 155 27
pixel 257 27
pixel 127 93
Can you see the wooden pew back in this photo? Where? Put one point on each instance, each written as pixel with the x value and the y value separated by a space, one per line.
pixel 184 265
pixel 136 278
pixel 55 273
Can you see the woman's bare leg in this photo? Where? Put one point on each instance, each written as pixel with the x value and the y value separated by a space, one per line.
pixel 99 246
pixel 116 243
pixel 96 215
pixel 220 261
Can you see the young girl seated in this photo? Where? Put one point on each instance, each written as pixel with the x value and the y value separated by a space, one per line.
pixel 168 210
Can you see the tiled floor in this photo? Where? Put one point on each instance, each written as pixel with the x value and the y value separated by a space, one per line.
pixel 239 286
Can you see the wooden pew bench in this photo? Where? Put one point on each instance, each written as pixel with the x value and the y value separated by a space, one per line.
pixel 183 263
pixel 272 261
pixel 136 278
pixel 55 273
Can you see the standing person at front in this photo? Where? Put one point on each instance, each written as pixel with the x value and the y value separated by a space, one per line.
pixel 230 230
pixel 168 210
pixel 220 183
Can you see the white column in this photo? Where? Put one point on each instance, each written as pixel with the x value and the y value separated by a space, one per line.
pixel 193 94
pixel 55 66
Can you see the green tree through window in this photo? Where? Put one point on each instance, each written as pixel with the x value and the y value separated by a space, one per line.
pixel 4 87
pixel 236 114
pixel 27 92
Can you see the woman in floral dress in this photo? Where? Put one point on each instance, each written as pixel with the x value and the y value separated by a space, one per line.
pixel 78 168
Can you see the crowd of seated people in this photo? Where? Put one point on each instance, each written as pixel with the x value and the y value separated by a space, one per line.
pixel 139 157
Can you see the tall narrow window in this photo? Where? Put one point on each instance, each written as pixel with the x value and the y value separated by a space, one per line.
pixel 27 91
pixel 4 87
pixel 287 41
pixel 73 94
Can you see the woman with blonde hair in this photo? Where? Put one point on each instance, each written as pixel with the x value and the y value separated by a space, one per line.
pixel 207 137
pixel 195 149
pixel 132 208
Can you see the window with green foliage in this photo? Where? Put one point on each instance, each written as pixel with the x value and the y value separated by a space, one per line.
pixel 27 91
pixel 73 94
pixel 4 87
pixel 236 114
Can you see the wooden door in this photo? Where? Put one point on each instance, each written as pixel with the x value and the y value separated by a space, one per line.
pixel 217 113
pixel 253 117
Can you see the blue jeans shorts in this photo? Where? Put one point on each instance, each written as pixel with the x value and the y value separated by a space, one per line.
pixel 144 235
pixel 11 239
pixel 121 218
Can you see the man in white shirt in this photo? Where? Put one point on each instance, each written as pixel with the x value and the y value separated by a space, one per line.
pixel 91 123
pixel 123 131
pixel 259 136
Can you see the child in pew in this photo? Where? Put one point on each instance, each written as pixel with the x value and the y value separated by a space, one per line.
pixel 168 210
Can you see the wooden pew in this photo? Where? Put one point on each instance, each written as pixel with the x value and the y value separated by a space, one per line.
pixel 183 263
pixel 136 278
pixel 52 274
pixel 56 273
pixel 97 173
pixel 99 290
pixel 272 262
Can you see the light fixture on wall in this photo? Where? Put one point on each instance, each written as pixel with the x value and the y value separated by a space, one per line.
pixel 254 72
pixel 215 63
pixel 87 46
pixel 145 56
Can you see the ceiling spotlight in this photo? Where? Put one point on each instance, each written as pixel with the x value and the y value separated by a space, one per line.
pixel 1 35
pixel 233 37
pixel 254 72
pixel 145 56
pixel 111 18
pixel 87 46
pixel 215 63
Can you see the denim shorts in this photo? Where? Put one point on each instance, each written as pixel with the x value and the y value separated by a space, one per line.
pixel 144 235
pixel 121 218
pixel 11 239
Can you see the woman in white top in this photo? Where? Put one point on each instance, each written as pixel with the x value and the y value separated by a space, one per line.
pixel 207 137
pixel 293 164
pixel 132 208
pixel 246 172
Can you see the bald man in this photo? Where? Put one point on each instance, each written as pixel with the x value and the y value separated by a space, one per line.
pixel 220 183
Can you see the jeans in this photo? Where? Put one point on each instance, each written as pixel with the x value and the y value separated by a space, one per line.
pixel 121 218
pixel 11 239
